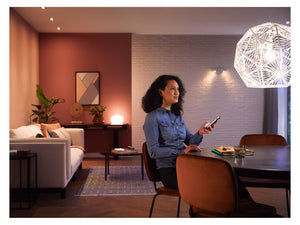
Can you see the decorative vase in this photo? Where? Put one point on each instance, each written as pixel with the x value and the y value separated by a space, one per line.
pixel 98 119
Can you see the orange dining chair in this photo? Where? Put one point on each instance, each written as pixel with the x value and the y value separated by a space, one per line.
pixel 209 185
pixel 262 139
pixel 153 176
pixel 266 139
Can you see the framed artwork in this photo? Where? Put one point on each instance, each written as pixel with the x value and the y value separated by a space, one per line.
pixel 87 85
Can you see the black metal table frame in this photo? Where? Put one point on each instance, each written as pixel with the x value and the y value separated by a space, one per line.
pixel 28 158
pixel 107 155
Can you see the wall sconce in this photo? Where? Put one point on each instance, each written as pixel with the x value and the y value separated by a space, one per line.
pixel 218 70
pixel 116 120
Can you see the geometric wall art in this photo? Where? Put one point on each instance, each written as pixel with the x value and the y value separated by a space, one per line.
pixel 87 87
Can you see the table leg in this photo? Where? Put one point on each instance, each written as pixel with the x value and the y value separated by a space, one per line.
pixel 29 181
pixel 36 182
pixel 105 166
pixel 20 171
pixel 20 203
pixel 107 163
pixel 142 165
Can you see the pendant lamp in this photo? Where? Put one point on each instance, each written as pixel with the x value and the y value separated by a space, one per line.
pixel 263 56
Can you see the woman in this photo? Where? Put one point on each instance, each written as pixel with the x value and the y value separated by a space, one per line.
pixel 166 133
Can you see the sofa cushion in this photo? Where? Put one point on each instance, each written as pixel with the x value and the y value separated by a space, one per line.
pixel 59 133
pixel 53 134
pixel 65 133
pixel 62 133
pixel 25 131
pixel 77 156
pixel 45 127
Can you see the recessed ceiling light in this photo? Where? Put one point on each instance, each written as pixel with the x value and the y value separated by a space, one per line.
pixel 51 19
pixel 58 28
pixel 43 7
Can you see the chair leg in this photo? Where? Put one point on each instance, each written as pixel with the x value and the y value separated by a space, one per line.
pixel 191 213
pixel 287 201
pixel 153 200
pixel 178 209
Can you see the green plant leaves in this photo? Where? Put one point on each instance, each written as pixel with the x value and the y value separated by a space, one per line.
pixel 40 95
pixel 44 113
pixel 94 110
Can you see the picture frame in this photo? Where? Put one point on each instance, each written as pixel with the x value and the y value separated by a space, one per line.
pixel 87 87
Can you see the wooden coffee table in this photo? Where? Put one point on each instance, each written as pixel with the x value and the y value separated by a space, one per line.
pixel 123 153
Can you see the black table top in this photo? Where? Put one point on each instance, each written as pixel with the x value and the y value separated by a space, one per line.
pixel 266 161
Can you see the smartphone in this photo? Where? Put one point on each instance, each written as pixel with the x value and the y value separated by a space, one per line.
pixel 213 122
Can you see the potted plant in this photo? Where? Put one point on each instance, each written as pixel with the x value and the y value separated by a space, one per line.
pixel 43 112
pixel 98 114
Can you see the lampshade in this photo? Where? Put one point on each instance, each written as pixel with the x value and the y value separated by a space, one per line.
pixel 116 120
pixel 263 56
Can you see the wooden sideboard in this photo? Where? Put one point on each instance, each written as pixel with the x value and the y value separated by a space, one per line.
pixel 100 138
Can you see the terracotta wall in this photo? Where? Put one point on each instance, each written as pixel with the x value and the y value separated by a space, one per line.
pixel 61 55
pixel 23 66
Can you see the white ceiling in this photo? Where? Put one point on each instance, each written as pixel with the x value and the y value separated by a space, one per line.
pixel 153 20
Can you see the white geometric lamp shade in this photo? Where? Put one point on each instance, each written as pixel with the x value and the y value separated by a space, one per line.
pixel 263 56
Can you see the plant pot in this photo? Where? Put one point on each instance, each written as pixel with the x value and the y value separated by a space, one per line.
pixel 98 119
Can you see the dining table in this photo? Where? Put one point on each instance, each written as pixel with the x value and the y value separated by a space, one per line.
pixel 268 161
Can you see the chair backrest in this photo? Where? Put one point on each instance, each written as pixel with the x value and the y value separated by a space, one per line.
pixel 150 165
pixel 262 139
pixel 207 183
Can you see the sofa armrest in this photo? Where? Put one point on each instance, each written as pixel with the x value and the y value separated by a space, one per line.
pixel 77 136
pixel 53 157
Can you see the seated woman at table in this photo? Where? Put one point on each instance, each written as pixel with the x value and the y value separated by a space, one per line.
pixel 164 127
pixel 165 131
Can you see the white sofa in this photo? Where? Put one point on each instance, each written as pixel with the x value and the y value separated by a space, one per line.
pixel 58 158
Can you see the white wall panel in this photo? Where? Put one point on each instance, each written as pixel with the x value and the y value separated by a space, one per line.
pixel 208 95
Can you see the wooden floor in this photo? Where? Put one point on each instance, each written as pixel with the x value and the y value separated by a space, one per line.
pixel 51 205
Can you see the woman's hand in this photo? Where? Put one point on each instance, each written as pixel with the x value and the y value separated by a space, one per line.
pixel 192 148
pixel 204 130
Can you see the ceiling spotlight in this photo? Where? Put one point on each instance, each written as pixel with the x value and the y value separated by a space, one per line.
pixel 43 7
pixel 51 19
pixel 58 28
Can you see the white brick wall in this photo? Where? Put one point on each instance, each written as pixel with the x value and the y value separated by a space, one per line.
pixel 192 57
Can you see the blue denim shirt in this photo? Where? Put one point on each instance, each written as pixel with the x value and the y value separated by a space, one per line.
pixel 166 135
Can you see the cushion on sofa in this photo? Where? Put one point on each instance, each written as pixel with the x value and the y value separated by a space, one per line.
pixel 52 134
pixel 45 127
pixel 25 131
pixel 77 156
pixel 60 133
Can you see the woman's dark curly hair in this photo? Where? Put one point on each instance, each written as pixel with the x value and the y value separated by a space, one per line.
pixel 153 100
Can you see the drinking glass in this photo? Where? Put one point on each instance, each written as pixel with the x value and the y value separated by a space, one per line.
pixel 240 151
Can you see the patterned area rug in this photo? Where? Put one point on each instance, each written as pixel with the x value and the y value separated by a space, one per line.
pixel 122 180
